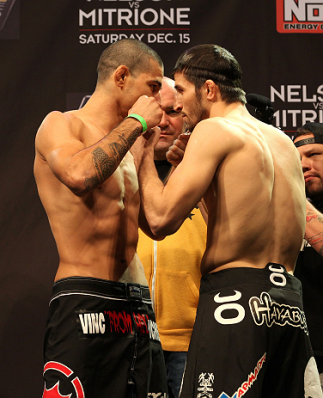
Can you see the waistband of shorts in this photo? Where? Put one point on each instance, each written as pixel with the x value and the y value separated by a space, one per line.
pixel 120 290
pixel 246 275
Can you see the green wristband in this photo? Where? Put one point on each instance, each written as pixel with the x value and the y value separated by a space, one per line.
pixel 140 119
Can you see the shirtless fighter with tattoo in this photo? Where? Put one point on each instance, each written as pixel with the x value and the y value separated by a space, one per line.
pixel 250 335
pixel 101 328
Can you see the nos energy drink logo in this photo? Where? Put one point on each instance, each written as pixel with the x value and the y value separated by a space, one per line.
pixel 299 16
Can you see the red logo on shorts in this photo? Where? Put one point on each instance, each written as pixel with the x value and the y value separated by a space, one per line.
pixel 54 391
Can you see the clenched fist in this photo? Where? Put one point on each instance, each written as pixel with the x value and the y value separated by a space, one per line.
pixel 149 109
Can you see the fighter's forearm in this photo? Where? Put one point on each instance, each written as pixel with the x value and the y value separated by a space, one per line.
pixel 151 192
pixel 97 163
pixel 314 228
pixel 109 152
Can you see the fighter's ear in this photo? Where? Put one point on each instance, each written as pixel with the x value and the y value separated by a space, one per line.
pixel 120 75
pixel 211 90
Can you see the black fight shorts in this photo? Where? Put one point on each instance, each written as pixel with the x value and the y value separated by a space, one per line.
pixel 102 342
pixel 250 338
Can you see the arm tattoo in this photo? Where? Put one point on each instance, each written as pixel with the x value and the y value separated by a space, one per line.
pixel 311 216
pixel 104 164
pixel 315 239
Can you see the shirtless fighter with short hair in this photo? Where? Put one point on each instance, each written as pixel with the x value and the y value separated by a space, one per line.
pixel 250 334
pixel 101 326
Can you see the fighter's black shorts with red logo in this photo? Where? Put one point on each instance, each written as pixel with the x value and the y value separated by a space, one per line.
pixel 102 342
pixel 250 338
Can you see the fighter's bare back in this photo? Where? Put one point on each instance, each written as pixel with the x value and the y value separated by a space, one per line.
pixel 250 177
pixel 258 209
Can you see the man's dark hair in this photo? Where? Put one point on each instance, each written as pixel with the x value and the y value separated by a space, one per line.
pixel 132 53
pixel 310 128
pixel 301 131
pixel 212 62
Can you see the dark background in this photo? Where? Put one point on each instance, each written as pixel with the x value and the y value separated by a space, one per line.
pixel 44 67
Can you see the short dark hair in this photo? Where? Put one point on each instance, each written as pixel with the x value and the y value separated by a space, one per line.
pixel 129 52
pixel 314 128
pixel 301 131
pixel 212 62
pixel 311 128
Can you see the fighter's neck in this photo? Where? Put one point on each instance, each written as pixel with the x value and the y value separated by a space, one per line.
pixel 102 112
pixel 222 109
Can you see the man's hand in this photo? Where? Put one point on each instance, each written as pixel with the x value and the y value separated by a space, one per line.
pixel 149 109
pixel 145 145
pixel 175 152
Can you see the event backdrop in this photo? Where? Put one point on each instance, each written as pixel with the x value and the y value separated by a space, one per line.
pixel 49 52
